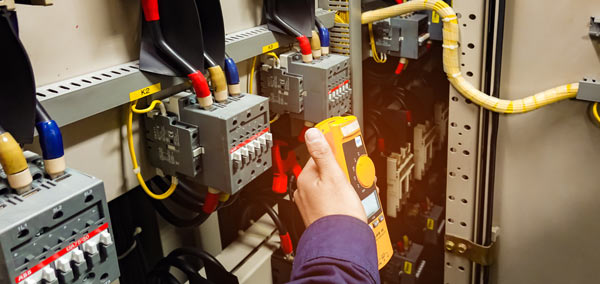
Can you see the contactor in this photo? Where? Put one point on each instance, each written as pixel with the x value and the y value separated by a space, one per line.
pixel 57 232
pixel 224 147
pixel 402 36
pixel 327 84
pixel 285 90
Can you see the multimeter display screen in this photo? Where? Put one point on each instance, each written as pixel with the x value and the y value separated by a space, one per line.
pixel 371 204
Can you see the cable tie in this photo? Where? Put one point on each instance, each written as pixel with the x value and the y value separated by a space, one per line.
pixel 137 170
pixel 449 18
pixel 450 46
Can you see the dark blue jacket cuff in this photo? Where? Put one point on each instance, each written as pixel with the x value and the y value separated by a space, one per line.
pixel 339 240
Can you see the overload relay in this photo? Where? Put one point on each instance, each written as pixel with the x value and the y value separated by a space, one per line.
pixel 224 147
pixel 325 80
pixel 57 232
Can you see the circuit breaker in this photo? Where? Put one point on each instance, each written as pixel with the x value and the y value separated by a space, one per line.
pixel 224 147
pixel 327 84
pixel 403 36
pixel 57 232
pixel 399 173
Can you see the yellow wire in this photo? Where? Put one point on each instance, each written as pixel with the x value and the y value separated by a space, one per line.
pixel 275 118
pixel 273 54
pixel 251 74
pixel 145 110
pixel 595 111
pixel 136 167
pixel 373 47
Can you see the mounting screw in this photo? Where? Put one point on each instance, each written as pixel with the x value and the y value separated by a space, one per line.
pixel 450 245
pixel 461 248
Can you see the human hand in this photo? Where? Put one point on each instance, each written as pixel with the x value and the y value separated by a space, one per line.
pixel 323 188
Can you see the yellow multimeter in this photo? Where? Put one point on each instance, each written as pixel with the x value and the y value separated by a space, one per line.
pixel 346 141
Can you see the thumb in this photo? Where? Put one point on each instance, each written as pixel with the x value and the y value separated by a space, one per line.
pixel 319 150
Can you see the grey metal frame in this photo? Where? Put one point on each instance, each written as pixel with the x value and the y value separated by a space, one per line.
pixel 464 138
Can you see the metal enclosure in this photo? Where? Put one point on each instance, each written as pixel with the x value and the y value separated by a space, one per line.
pixel 547 182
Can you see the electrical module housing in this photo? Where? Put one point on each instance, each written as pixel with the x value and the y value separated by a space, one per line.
pixel 327 84
pixel 224 147
pixel 57 232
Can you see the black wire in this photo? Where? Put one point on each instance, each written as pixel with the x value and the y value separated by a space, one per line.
pixel 185 267
pixel 209 61
pixel 279 22
pixel 166 214
pixel 169 279
pixel 269 210
pixel 41 115
pixel 197 253
pixel 164 47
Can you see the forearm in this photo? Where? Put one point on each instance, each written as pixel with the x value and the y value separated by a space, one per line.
pixel 336 249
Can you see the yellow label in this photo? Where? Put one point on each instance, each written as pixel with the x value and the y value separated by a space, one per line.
pixel 430 224
pixel 435 17
pixel 136 95
pixel 270 47
pixel 407 267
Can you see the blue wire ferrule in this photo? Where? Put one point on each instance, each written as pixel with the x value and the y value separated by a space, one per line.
pixel 324 36
pixel 50 139
pixel 231 72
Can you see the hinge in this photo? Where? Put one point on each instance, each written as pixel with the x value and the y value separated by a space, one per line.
pixel 484 255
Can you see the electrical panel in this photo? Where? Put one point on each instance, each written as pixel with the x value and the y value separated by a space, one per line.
pixel 57 232
pixel 224 147
pixel 326 82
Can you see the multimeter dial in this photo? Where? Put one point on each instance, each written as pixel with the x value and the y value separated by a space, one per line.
pixel 365 171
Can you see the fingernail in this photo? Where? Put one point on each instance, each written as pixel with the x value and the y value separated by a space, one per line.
pixel 312 134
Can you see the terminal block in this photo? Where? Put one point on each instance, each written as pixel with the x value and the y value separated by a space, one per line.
pixel 402 36
pixel 433 219
pixel 57 232
pixel 224 147
pixel 327 84
pixel 440 118
pixel 399 172
pixel 285 90
pixel 424 139
pixel 406 266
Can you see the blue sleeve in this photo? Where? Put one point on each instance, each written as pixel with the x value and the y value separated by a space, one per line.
pixel 336 249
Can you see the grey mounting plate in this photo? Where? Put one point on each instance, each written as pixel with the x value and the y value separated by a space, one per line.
pixel 589 90
pixel 595 27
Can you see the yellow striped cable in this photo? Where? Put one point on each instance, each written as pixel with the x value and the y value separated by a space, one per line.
pixel 373 46
pixel 136 167
pixel 452 66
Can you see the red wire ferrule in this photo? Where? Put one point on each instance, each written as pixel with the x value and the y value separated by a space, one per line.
pixel 304 45
pixel 286 243
pixel 150 8
pixel 381 145
pixel 399 68
pixel 199 84
pixel 210 202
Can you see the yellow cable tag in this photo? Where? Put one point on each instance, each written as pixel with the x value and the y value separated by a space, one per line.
pixel 270 47
pixel 430 224
pixel 407 267
pixel 435 17
pixel 136 95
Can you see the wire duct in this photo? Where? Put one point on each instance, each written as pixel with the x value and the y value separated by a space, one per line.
pixel 452 65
